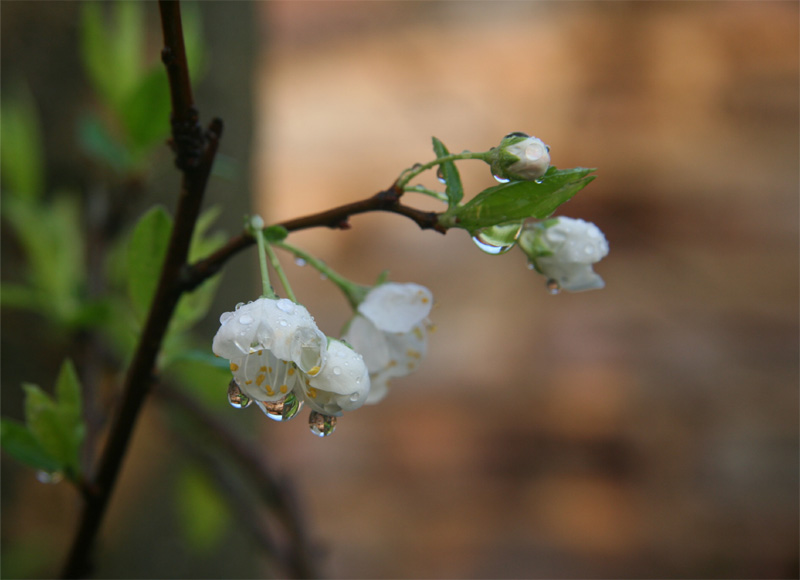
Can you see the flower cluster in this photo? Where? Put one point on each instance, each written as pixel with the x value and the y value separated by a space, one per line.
pixel 281 360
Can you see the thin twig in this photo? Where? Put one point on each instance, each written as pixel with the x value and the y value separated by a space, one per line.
pixel 274 491
pixel 338 218
pixel 195 153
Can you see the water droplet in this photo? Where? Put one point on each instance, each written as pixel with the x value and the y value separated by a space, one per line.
pixel 498 239
pixel 245 319
pixel 285 305
pixel 553 287
pixel 321 425
pixel 49 477
pixel 283 409
pixel 416 166
pixel 236 397
pixel 282 322
pixel 337 370
pixel 300 262
pixel 225 317
pixel 588 249
pixel 323 277
pixel 440 175
pixel 499 179
pixel 238 306
pixel 531 266
pixel 517 134
pixel 354 397
pixel 540 180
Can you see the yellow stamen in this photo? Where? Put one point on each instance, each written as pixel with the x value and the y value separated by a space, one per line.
pixel 260 379
pixel 290 372
pixel 284 388
pixel 234 367
pixel 418 333
pixel 248 382
pixel 312 392
pixel 392 363
pixel 262 370
pixel 413 353
pixel 314 371
pixel 269 369
pixel 270 392
pixel 260 352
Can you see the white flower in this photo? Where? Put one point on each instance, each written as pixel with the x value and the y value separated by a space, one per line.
pixel 342 385
pixel 270 344
pixel 390 332
pixel 520 157
pixel 564 249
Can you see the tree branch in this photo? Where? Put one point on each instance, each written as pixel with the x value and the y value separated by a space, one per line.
pixel 275 492
pixel 338 218
pixel 195 153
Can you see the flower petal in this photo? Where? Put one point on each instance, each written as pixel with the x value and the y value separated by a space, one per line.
pixel 394 307
pixel 342 385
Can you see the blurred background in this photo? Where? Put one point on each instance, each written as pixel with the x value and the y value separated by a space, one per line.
pixel 646 430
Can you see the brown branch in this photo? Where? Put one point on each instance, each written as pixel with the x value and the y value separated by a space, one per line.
pixel 195 153
pixel 298 558
pixel 337 218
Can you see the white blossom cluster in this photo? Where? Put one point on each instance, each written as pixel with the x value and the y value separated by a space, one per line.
pixel 281 360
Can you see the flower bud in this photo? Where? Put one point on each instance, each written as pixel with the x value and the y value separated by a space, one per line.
pixel 520 158
pixel 564 249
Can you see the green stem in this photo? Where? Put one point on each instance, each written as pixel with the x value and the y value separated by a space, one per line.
pixel 410 174
pixel 353 292
pixel 422 189
pixel 276 265
pixel 262 262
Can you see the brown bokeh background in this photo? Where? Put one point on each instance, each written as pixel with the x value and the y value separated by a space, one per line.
pixel 646 430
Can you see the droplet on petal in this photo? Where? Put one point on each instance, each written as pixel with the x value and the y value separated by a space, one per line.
pixel 283 409
pixel 236 397
pixel 245 320
pixel 553 287
pixel 285 305
pixel 321 425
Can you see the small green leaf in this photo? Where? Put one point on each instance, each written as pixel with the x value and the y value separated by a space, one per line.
pixel 449 172
pixel 145 111
pixel 518 200
pixel 274 234
pixel 21 157
pixel 23 446
pixel 146 252
pixel 45 423
pixel 203 513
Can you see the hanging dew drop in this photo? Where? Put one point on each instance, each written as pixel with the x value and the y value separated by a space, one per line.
pixel 498 239
pixel 354 397
pixel 238 306
pixel 300 262
pixel 553 287
pixel 283 409
pixel 440 175
pixel 236 397
pixel 531 266
pixel 321 425
pixel 499 179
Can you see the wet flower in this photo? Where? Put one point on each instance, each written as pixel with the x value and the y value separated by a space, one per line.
pixel 520 158
pixel 343 384
pixel 271 344
pixel 390 331
pixel 564 249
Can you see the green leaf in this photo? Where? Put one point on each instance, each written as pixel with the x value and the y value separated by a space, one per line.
pixel 97 142
pixel 21 156
pixel 145 111
pixel 112 52
pixel 201 374
pixel 518 200
pixel 202 511
pixel 18 296
pixel 52 236
pixel 449 172
pixel 274 234
pixel 146 252
pixel 23 446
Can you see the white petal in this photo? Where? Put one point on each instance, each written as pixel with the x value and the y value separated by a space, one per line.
pixel 394 307
pixel 369 342
pixel 342 385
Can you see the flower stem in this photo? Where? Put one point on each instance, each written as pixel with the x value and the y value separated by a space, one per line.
pixel 258 232
pixel 353 292
pixel 411 173
pixel 273 258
